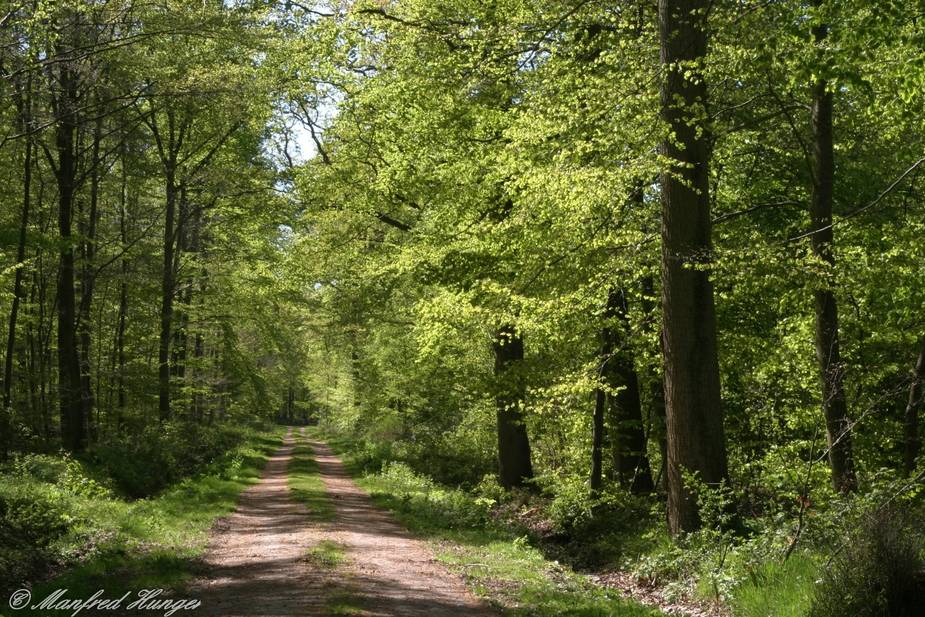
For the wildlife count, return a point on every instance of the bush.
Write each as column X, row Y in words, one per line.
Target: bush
column 879, row 573
column 162, row 454
column 33, row 517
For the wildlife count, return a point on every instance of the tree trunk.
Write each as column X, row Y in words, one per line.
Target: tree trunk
column 73, row 416
column 657, row 421
column 828, row 354
column 617, row 372
column 597, row 431
column 25, row 115
column 696, row 442
column 167, row 293
column 514, row 466
column 628, row 443
column 87, row 279
column 911, row 438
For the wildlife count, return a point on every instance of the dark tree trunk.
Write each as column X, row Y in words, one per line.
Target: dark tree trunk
column 597, row 434
column 25, row 116
column 514, row 466
column 912, row 441
column 696, row 442
column 627, row 437
column 123, row 302
column 628, row 443
column 73, row 416
column 87, row 279
column 657, row 421
column 828, row 354
column 167, row 292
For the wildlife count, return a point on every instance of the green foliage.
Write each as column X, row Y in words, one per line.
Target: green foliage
column 776, row 589
column 56, row 513
column 143, row 464
column 879, row 570
column 33, row 517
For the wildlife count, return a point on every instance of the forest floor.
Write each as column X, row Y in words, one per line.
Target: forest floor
column 284, row 551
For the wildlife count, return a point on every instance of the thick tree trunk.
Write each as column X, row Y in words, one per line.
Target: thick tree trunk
column 73, row 416
column 828, row 354
column 912, row 441
column 696, row 442
column 514, row 466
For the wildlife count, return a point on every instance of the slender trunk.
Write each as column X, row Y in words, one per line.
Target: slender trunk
column 87, row 282
column 167, row 293
column 627, row 437
column 657, row 422
column 696, row 443
column 597, row 433
column 25, row 115
column 911, row 438
column 514, row 466
column 828, row 354
column 628, row 442
column 123, row 303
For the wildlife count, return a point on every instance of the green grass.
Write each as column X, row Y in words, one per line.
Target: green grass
column 306, row 484
column 778, row 589
column 496, row 563
column 327, row 554
column 124, row 546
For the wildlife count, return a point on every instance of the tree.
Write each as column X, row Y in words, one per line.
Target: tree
column 828, row 347
column 696, row 441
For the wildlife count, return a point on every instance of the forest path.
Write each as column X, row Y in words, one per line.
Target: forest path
column 257, row 561
column 389, row 573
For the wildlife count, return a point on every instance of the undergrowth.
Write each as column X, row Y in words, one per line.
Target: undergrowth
column 63, row 524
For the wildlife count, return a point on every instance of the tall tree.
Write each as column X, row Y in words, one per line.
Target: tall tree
column 828, row 352
column 66, row 104
column 696, row 441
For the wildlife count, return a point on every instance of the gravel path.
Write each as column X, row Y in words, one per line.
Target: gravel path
column 256, row 562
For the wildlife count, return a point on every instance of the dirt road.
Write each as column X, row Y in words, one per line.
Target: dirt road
column 256, row 562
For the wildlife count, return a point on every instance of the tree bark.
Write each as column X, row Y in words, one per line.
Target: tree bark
column 912, row 441
column 828, row 354
column 73, row 416
column 696, row 442
column 514, row 466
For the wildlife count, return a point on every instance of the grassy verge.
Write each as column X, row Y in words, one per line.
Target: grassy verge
column 496, row 563
column 306, row 484
column 119, row 545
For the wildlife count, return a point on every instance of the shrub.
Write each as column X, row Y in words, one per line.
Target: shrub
column 161, row 454
column 878, row 573
column 32, row 517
